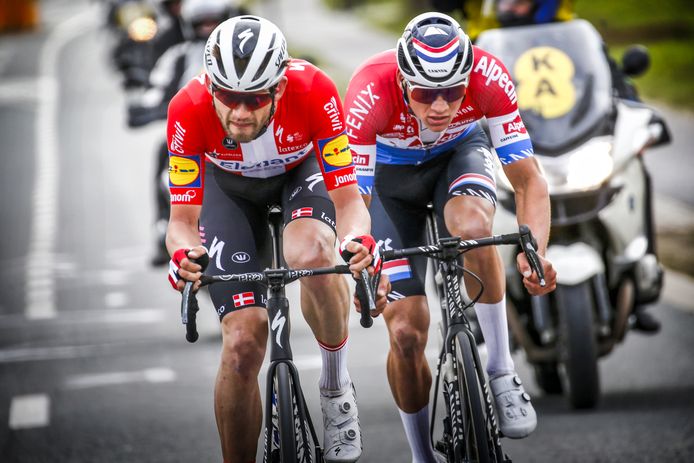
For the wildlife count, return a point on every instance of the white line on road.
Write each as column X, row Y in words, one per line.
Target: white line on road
column 150, row 375
column 40, row 286
column 116, row 299
column 29, row 411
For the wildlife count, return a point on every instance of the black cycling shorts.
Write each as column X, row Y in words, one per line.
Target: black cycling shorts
column 234, row 226
column 401, row 194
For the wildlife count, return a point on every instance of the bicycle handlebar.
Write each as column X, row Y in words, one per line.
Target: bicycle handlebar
column 524, row 238
column 365, row 294
column 189, row 309
column 189, row 303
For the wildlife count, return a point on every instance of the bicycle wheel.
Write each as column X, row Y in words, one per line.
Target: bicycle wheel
column 477, row 443
column 294, row 438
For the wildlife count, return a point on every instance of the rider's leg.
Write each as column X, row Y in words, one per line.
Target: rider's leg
column 325, row 305
column 237, row 396
column 324, row 299
column 408, row 371
column 471, row 217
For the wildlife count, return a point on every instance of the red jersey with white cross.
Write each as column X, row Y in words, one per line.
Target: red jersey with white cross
column 308, row 120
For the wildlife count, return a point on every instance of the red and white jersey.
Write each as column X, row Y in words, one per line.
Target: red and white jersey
column 308, row 119
column 383, row 130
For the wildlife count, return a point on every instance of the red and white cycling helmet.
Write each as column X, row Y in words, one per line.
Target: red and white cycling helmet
column 246, row 54
column 435, row 52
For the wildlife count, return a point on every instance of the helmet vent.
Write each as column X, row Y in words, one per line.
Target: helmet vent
column 217, row 55
column 404, row 65
column 266, row 60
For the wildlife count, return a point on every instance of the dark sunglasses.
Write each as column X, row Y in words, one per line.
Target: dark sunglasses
column 426, row 95
column 252, row 101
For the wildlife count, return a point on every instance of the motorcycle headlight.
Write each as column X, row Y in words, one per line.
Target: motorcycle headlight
column 142, row 29
column 582, row 169
column 589, row 166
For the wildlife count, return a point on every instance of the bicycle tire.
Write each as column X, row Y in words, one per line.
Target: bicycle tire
column 478, row 440
column 285, row 414
column 295, row 444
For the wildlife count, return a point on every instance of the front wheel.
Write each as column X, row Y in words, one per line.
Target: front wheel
column 578, row 358
column 294, row 437
column 470, row 433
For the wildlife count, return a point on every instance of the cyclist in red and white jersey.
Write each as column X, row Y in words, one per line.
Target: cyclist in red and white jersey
column 413, row 121
column 257, row 129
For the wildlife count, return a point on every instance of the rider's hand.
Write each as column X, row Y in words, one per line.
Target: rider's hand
column 530, row 279
column 360, row 252
column 182, row 269
column 381, row 296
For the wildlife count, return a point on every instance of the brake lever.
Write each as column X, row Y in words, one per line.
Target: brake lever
column 529, row 246
column 365, row 294
column 189, row 309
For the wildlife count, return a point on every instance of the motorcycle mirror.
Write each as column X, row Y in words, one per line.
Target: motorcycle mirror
column 636, row 60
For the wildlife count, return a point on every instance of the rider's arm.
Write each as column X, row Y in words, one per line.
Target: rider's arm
column 351, row 214
column 533, row 209
column 532, row 198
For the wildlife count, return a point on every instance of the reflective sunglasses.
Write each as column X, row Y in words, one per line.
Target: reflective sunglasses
column 427, row 95
column 252, row 101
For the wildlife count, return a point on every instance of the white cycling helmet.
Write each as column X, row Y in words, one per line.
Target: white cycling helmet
column 194, row 11
column 246, row 54
column 435, row 52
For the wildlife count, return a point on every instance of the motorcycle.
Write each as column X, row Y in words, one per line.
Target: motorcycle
column 133, row 24
column 589, row 142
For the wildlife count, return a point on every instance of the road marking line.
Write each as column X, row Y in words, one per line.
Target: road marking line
column 150, row 375
column 40, row 287
column 29, row 411
column 116, row 299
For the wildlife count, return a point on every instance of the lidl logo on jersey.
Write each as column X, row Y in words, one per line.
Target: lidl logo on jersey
column 184, row 171
column 335, row 153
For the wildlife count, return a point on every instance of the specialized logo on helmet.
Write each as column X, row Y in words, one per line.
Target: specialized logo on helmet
column 244, row 37
column 437, row 50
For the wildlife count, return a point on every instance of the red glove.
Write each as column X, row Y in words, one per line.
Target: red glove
column 368, row 242
column 175, row 265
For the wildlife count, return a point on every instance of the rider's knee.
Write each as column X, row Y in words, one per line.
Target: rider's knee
column 407, row 340
column 315, row 251
column 243, row 346
column 475, row 223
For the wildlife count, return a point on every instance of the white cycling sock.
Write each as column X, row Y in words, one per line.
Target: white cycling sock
column 334, row 376
column 417, row 431
column 492, row 318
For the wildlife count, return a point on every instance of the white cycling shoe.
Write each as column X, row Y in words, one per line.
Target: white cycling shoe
column 516, row 415
column 341, row 432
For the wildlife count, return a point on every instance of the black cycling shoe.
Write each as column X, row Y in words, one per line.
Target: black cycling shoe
column 645, row 322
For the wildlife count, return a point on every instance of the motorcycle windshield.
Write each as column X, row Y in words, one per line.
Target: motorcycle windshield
column 562, row 79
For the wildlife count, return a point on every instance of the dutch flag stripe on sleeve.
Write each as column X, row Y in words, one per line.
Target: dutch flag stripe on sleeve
column 398, row 269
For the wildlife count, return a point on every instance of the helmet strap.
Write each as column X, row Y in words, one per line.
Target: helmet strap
column 272, row 90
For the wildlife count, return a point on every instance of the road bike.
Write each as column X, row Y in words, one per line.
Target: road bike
column 469, row 432
column 290, row 436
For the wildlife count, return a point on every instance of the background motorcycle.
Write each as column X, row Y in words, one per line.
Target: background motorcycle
column 589, row 142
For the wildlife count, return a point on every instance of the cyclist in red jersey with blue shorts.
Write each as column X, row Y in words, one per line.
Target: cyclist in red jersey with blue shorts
column 412, row 118
column 257, row 129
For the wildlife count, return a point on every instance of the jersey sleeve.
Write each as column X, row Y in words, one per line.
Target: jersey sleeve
column 365, row 114
column 331, row 144
column 496, row 96
column 186, row 151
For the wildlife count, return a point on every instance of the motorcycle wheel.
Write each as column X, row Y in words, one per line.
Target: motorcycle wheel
column 578, row 358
